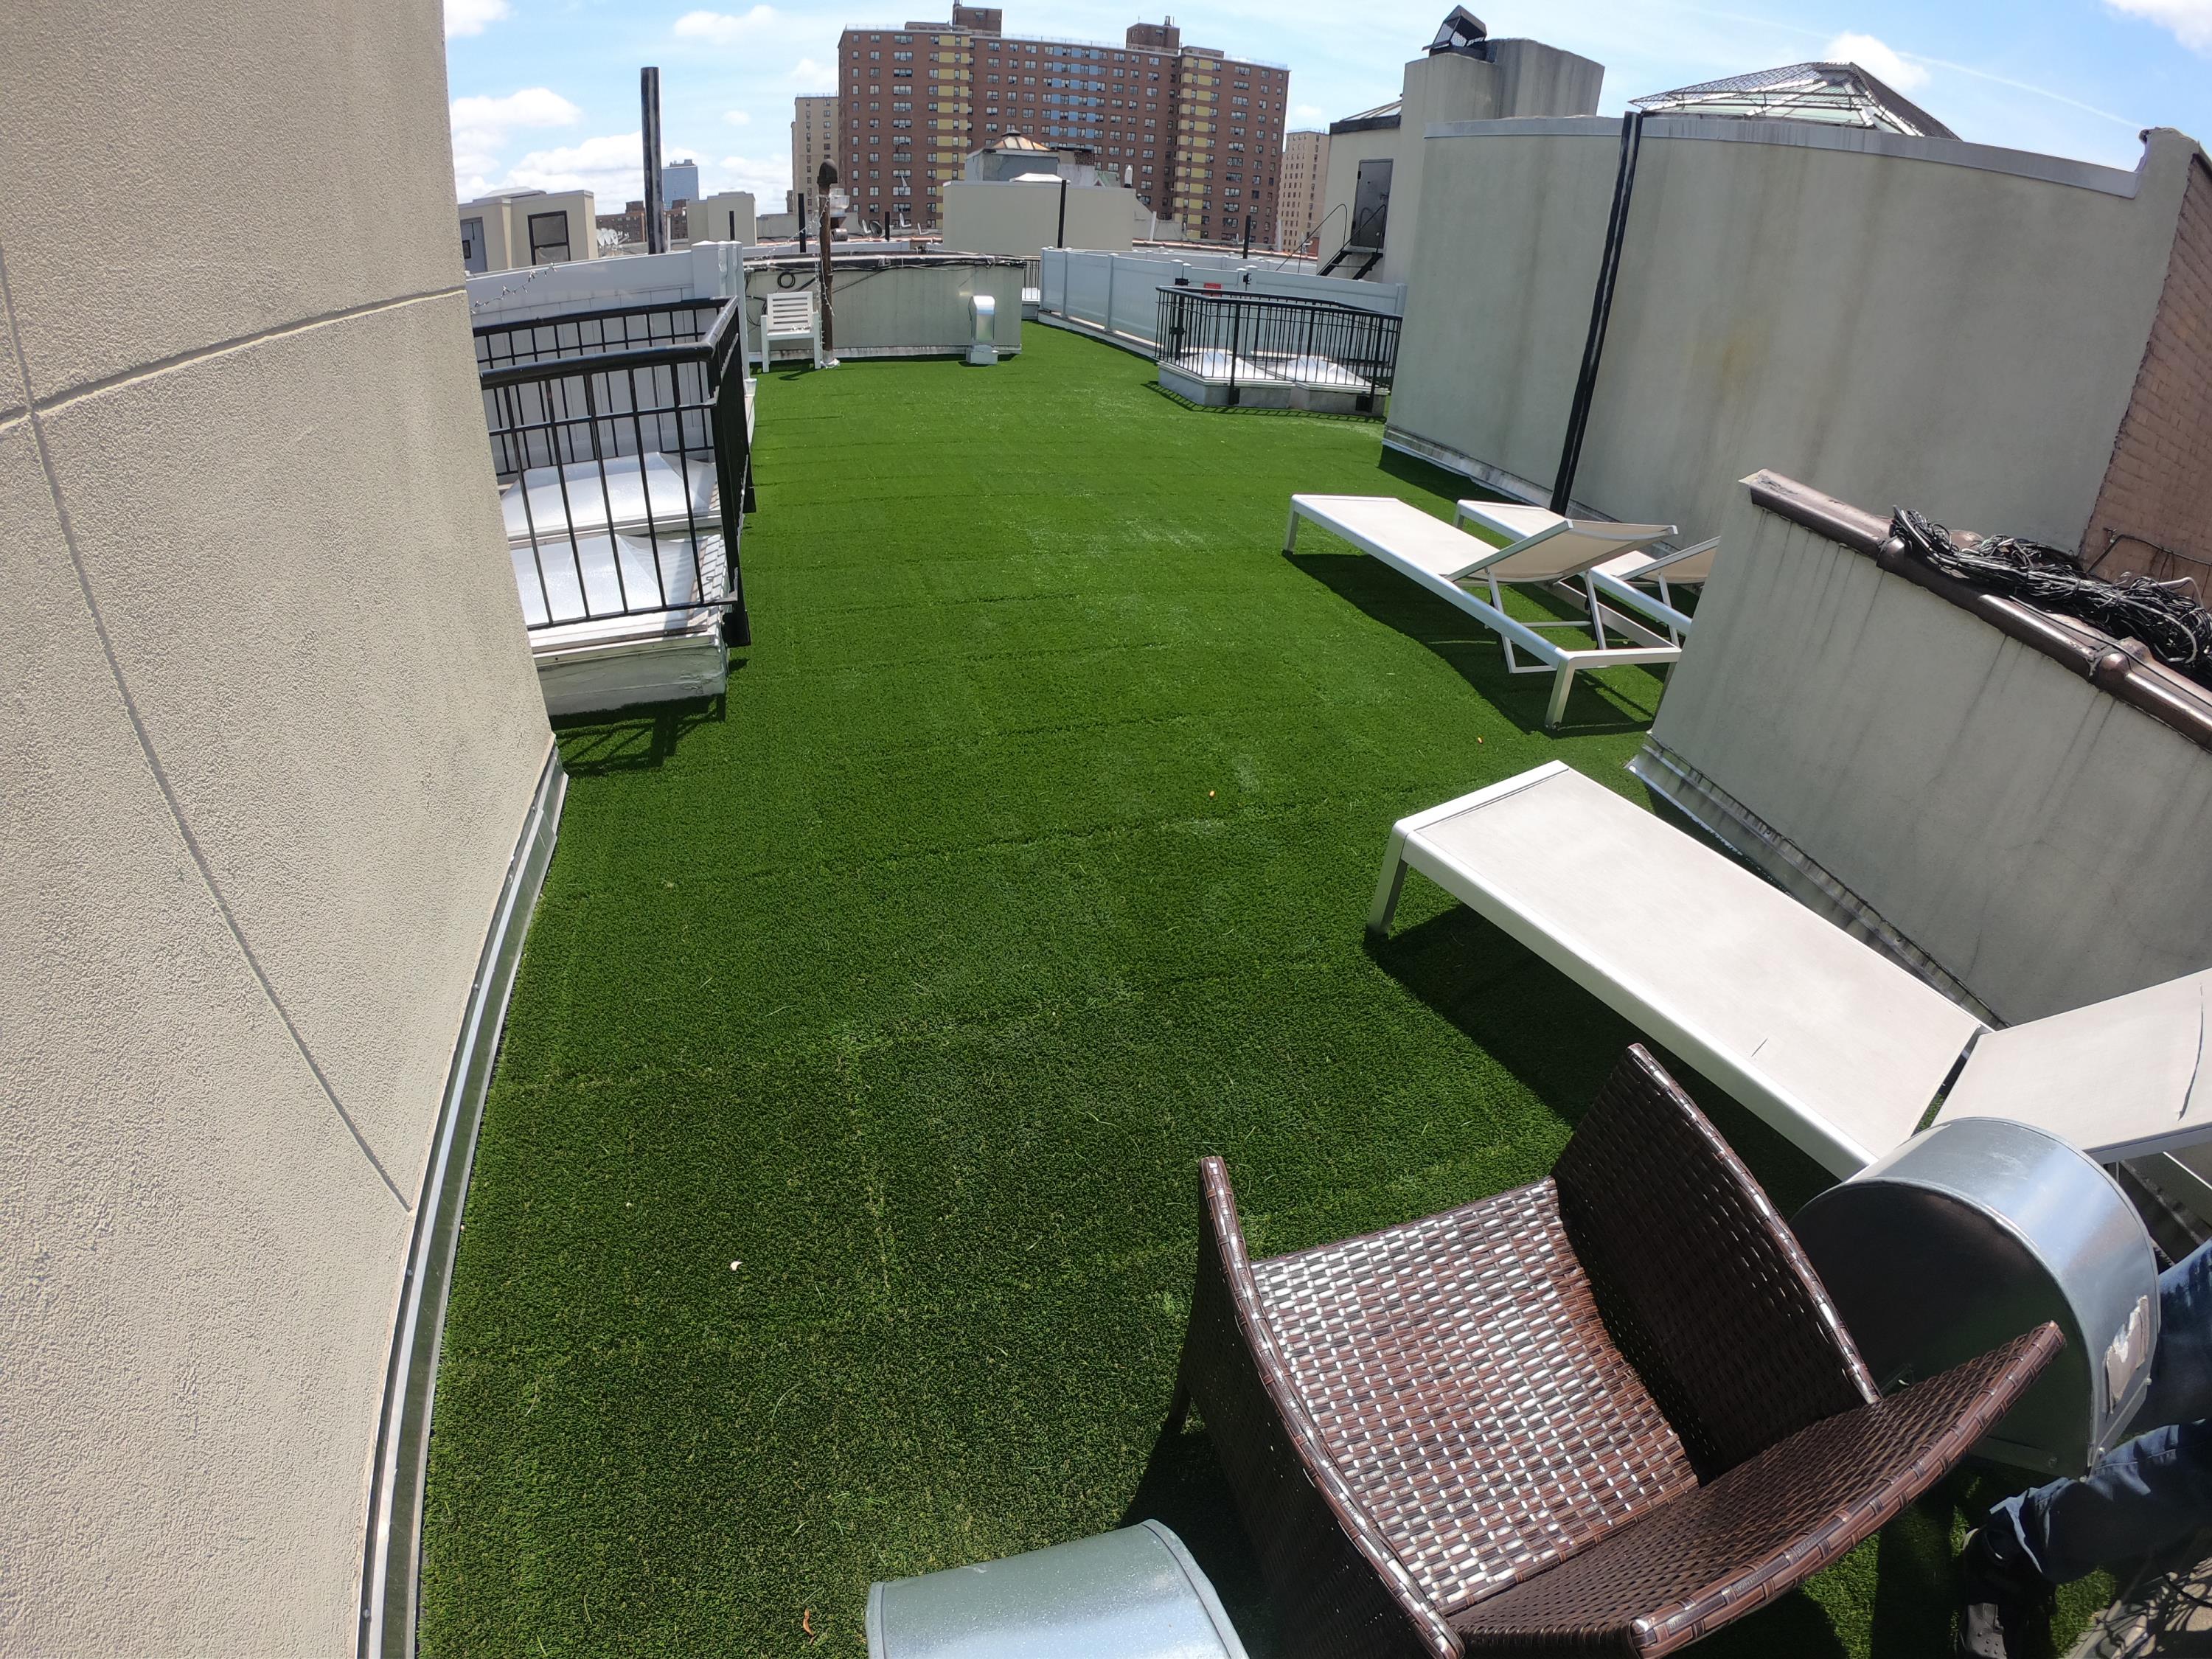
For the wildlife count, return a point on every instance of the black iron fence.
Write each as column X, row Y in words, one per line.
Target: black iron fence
column 620, row 439
column 1241, row 340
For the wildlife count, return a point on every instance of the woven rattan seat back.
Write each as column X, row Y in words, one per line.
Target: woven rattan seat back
column 1469, row 1395
column 1340, row 1588
column 1697, row 1276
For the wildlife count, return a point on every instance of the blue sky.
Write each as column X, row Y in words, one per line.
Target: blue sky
column 545, row 91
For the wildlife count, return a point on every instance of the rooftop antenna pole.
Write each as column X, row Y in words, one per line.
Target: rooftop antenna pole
column 656, row 223
column 826, row 179
column 1059, row 236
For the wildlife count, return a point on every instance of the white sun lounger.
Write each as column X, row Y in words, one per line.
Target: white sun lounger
column 1685, row 567
column 1828, row 1039
column 1445, row 561
column 1620, row 580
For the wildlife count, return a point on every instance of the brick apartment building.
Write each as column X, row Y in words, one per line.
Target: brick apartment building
column 813, row 141
column 1199, row 133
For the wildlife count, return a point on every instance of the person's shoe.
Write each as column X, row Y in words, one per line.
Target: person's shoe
column 2004, row 1613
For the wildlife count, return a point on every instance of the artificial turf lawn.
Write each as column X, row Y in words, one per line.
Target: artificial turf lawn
column 834, row 1214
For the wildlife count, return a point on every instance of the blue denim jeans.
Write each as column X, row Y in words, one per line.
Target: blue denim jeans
column 2152, row 1492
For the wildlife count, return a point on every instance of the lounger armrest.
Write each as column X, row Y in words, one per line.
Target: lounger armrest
column 1764, row 1528
column 1339, row 1588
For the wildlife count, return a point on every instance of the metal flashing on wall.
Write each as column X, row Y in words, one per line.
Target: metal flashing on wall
column 1814, row 135
column 2122, row 669
column 391, row 1556
column 1745, row 835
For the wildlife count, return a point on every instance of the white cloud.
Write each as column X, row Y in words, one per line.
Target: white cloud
column 766, row 179
column 611, row 167
column 481, row 126
column 738, row 118
column 1877, row 57
column 721, row 28
column 472, row 16
column 532, row 107
column 1307, row 112
column 810, row 77
column 2189, row 19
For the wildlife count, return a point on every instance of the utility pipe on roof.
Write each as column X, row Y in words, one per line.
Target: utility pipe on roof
column 1616, row 230
column 648, row 97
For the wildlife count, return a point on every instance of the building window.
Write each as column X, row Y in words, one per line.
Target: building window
column 549, row 238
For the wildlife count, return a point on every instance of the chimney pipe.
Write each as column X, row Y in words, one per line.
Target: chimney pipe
column 656, row 220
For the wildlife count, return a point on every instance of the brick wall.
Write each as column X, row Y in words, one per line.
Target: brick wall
column 2154, row 509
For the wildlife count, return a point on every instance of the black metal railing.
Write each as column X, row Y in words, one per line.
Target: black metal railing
column 619, row 436
column 1241, row 340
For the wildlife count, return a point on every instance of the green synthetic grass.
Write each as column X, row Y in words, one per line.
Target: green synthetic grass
column 833, row 1218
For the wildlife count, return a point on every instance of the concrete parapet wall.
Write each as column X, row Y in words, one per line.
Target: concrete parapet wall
column 890, row 308
column 1022, row 220
column 1119, row 293
column 1888, row 320
column 2040, row 841
column 269, row 733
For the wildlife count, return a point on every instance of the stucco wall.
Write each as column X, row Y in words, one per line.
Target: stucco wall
column 902, row 310
column 268, row 731
column 1521, row 78
column 1023, row 220
column 506, row 221
column 1962, row 335
column 709, row 219
column 2041, row 840
column 1347, row 150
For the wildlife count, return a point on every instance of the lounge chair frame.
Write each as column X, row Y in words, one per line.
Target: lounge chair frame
column 1838, row 1047
column 1619, row 583
column 1369, row 522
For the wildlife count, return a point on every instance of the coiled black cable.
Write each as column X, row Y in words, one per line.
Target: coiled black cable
column 2166, row 618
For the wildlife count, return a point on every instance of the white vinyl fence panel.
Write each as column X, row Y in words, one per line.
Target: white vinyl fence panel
column 1118, row 294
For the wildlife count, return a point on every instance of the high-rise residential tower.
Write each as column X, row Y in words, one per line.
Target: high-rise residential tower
column 1198, row 133
column 813, row 141
column 1305, row 186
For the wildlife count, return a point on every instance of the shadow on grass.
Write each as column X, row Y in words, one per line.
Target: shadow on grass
column 1182, row 1487
column 634, row 740
column 1595, row 707
column 1436, row 480
column 1560, row 1041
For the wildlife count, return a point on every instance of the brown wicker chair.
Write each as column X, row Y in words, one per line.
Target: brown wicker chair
column 1606, row 1413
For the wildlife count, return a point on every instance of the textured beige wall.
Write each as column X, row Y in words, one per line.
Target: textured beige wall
column 1520, row 78
column 1023, row 219
column 1959, row 338
column 710, row 218
column 268, row 731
